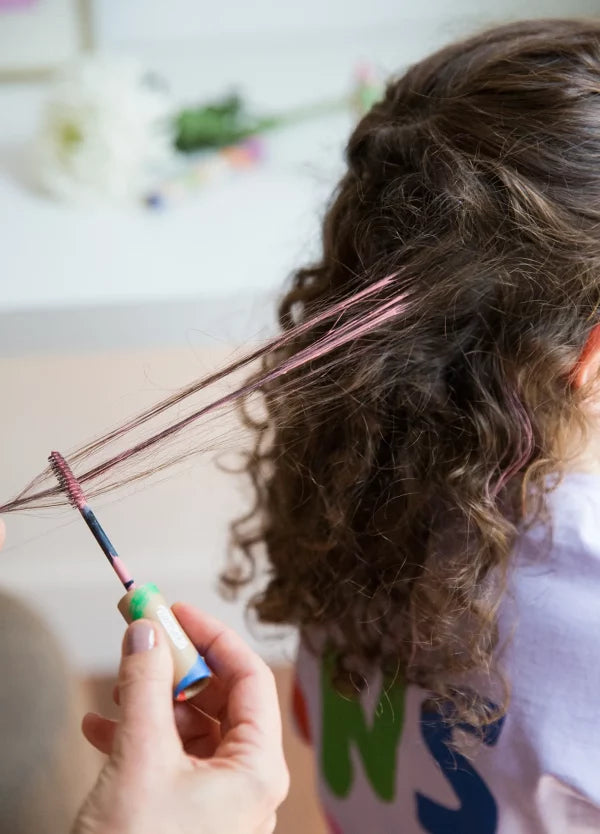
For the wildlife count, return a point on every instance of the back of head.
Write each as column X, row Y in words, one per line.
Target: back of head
column 476, row 180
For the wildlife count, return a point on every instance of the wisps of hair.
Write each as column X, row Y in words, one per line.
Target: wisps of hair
column 101, row 466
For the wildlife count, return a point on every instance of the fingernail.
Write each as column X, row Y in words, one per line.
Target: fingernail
column 140, row 637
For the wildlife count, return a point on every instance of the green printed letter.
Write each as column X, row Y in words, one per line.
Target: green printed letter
column 345, row 725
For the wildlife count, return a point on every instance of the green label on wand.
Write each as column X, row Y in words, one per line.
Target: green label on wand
column 140, row 599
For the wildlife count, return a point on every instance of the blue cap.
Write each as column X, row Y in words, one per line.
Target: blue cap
column 197, row 673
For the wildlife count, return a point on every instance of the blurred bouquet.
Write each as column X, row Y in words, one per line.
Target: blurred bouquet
column 105, row 131
column 110, row 133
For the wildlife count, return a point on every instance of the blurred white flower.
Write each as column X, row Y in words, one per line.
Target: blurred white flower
column 104, row 131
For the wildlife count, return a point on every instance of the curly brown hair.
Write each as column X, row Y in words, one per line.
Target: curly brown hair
column 388, row 483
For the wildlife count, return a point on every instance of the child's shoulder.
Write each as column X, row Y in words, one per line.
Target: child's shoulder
column 554, row 586
column 568, row 535
column 576, row 490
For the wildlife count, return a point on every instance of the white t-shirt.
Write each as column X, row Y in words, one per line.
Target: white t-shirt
column 383, row 763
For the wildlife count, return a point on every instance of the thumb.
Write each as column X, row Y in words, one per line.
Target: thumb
column 147, row 728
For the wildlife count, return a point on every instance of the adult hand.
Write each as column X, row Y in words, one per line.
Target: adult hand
column 212, row 765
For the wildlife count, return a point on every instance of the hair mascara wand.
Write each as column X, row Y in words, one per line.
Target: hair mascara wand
column 72, row 487
column 191, row 674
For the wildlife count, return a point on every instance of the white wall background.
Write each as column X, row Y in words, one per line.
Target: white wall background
column 138, row 22
column 102, row 312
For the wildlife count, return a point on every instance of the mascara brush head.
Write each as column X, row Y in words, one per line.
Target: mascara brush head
column 68, row 482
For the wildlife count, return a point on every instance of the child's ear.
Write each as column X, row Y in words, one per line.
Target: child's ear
column 588, row 364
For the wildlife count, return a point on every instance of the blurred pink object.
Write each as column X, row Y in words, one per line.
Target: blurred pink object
column 16, row 4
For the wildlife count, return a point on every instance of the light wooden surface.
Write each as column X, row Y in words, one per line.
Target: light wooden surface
column 172, row 529
column 300, row 813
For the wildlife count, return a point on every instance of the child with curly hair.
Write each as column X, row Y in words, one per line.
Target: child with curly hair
column 430, row 501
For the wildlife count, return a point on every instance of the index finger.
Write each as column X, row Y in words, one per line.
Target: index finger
column 252, row 701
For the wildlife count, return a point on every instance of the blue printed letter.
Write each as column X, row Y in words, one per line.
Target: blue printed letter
column 478, row 813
